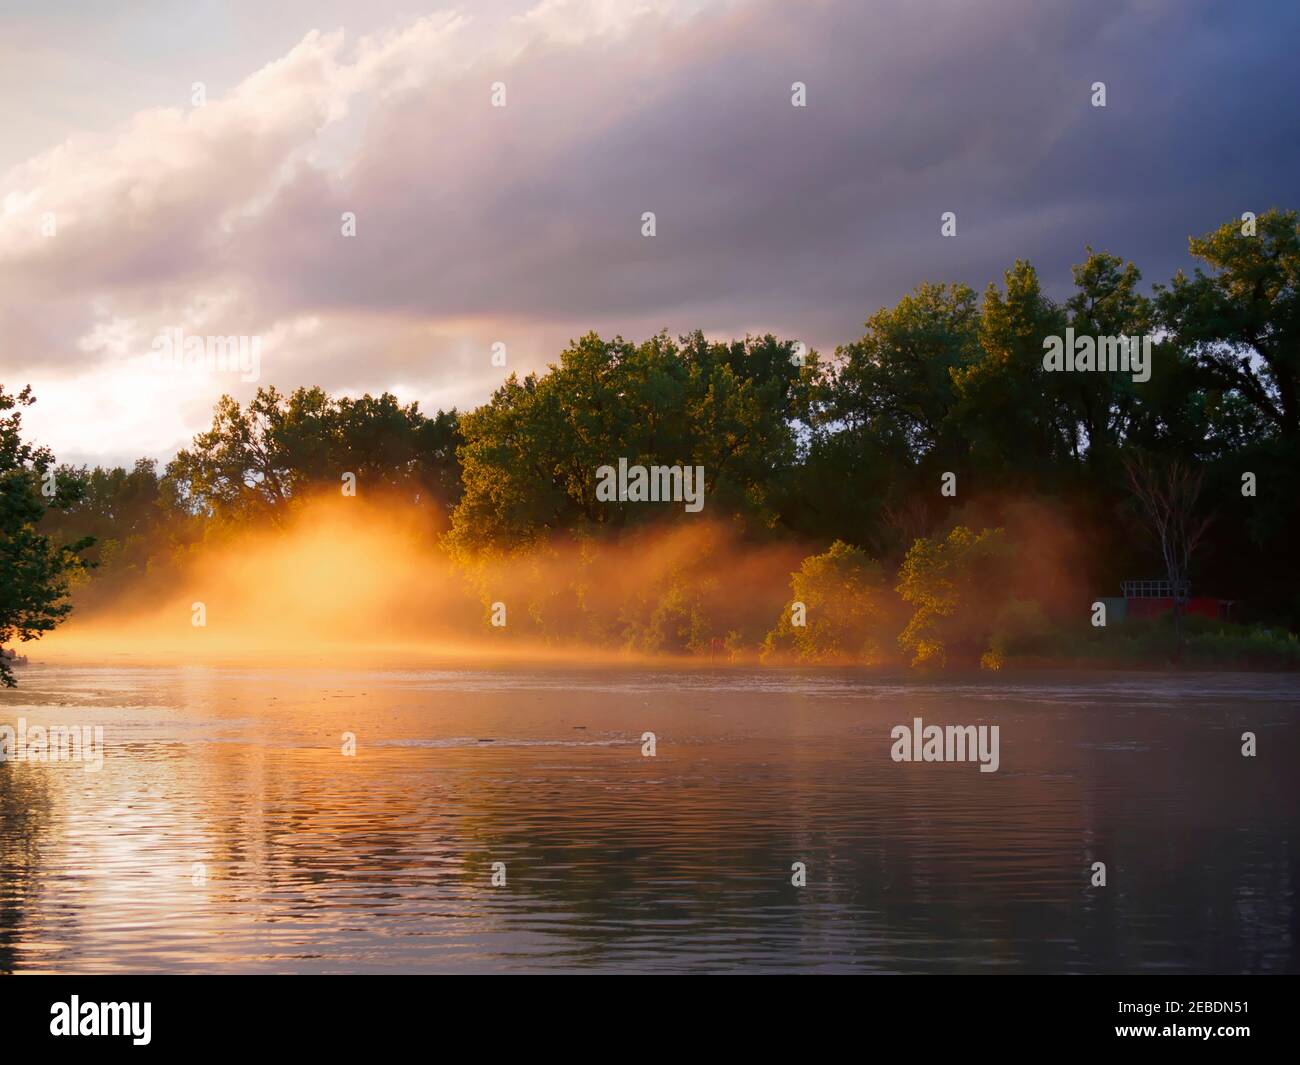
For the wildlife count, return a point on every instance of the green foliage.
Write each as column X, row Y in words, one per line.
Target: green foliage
column 1209, row 644
column 117, row 507
column 956, row 588
column 256, row 460
column 35, row 569
column 531, row 453
column 848, row 451
column 1005, row 411
column 661, row 594
column 843, row 597
column 679, row 620
column 899, row 376
column 1020, row 628
column 1248, row 305
column 1243, row 647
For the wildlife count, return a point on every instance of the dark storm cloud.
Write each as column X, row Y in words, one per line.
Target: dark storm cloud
column 808, row 218
column 522, row 223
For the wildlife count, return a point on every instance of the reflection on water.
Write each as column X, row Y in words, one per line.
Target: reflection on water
column 319, row 862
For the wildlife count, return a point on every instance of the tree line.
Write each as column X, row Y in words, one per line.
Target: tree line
column 940, row 417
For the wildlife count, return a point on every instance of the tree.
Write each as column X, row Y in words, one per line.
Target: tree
column 34, row 570
column 882, row 425
column 957, row 587
column 251, row 461
column 1167, row 494
column 112, row 505
column 1242, row 322
column 1100, row 406
column 843, row 608
column 899, row 376
column 531, row 452
column 255, row 460
column 1006, row 413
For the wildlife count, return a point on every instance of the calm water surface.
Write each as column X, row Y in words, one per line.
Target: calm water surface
column 317, row 862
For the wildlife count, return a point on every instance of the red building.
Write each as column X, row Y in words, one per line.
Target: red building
column 1155, row 598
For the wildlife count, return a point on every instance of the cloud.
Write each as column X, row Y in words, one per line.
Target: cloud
column 523, row 223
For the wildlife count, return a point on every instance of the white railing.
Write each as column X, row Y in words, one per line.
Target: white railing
column 1156, row 589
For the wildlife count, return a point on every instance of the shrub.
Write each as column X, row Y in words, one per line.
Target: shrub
column 956, row 587
column 843, row 596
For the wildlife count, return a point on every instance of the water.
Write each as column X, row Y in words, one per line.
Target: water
column 317, row 862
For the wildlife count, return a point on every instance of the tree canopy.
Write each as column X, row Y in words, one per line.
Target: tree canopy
column 844, row 455
column 35, row 568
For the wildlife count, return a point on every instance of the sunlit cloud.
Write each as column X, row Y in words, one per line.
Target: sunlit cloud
column 520, row 224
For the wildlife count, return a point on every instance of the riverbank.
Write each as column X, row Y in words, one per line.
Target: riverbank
column 1136, row 646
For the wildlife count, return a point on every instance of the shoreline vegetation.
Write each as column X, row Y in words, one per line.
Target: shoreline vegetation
column 1209, row 648
column 930, row 497
column 1220, row 652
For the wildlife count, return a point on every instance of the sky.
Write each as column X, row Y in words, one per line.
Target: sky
column 129, row 210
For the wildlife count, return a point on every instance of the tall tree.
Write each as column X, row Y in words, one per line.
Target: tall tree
column 1167, row 495
column 531, row 453
column 257, row 459
column 1242, row 320
column 34, row 569
column 1100, row 406
column 1006, row 412
column 883, row 421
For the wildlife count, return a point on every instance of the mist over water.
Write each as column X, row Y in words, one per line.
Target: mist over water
column 368, row 581
column 228, row 831
column 318, row 862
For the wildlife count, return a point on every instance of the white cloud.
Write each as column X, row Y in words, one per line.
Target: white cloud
column 522, row 223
